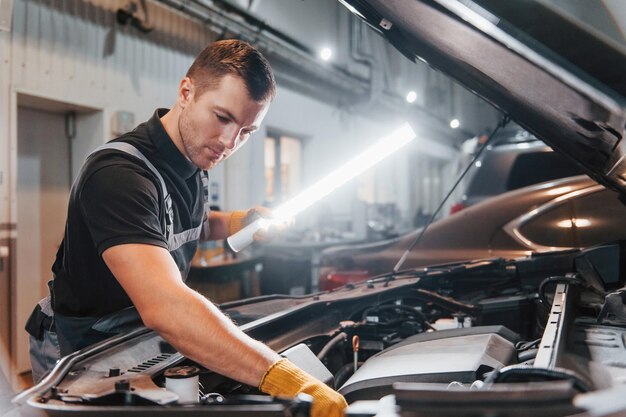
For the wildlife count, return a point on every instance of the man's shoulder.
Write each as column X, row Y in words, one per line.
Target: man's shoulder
column 139, row 138
column 111, row 158
column 115, row 172
column 118, row 177
column 111, row 167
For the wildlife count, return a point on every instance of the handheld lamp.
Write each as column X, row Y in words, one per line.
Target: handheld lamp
column 368, row 158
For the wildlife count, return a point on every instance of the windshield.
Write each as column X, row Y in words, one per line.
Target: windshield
column 503, row 170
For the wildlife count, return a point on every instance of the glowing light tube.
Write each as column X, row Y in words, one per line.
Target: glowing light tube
column 357, row 165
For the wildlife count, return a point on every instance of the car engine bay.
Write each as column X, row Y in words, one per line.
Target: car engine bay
column 492, row 337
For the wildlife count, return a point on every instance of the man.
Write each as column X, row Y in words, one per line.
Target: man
column 118, row 251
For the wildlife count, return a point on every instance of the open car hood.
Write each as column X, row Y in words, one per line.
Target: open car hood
column 556, row 78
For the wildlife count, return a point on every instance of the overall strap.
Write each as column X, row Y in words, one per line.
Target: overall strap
column 207, row 203
column 169, row 218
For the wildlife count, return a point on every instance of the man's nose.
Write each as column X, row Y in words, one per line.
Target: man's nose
column 229, row 137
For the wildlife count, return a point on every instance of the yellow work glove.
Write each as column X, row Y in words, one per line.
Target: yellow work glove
column 286, row 379
column 237, row 222
column 240, row 219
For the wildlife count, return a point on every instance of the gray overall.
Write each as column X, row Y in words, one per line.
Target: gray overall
column 51, row 334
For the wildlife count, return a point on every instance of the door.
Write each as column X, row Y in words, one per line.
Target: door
column 52, row 139
column 43, row 183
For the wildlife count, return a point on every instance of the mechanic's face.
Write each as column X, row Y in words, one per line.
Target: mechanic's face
column 215, row 124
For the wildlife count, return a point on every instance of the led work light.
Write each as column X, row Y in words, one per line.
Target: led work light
column 368, row 158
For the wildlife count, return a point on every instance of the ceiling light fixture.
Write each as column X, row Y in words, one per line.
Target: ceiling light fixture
column 366, row 159
column 454, row 123
column 411, row 96
column 326, row 54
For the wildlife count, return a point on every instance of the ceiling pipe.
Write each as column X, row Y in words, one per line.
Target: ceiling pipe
column 261, row 25
column 375, row 70
column 286, row 54
column 379, row 97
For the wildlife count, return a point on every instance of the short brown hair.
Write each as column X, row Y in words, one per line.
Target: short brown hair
column 237, row 58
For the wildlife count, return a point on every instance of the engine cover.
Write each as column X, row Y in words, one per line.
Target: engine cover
column 462, row 355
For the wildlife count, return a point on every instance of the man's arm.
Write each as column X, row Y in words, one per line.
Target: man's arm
column 226, row 223
column 192, row 324
column 199, row 331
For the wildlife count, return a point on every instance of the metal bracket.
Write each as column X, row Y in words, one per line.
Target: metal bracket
column 385, row 24
column 553, row 339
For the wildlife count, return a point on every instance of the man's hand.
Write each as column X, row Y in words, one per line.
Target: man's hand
column 285, row 379
column 273, row 228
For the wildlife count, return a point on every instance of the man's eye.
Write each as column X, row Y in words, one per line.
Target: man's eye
column 222, row 119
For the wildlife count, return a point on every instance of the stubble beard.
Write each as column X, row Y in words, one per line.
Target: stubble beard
column 191, row 152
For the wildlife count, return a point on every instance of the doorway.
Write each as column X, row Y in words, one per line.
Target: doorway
column 43, row 183
column 53, row 139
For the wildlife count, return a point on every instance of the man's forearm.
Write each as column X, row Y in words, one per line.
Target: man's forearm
column 201, row 332
column 191, row 323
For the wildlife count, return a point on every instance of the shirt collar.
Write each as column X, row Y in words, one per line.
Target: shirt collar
column 164, row 144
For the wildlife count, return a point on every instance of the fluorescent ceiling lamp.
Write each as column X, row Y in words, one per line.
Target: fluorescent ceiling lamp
column 411, row 97
column 454, row 123
column 326, row 54
column 357, row 165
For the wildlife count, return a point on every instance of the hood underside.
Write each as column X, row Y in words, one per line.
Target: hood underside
column 530, row 61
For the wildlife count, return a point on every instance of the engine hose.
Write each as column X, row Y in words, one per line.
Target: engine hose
column 331, row 343
column 448, row 303
column 558, row 280
column 527, row 374
column 344, row 373
column 527, row 355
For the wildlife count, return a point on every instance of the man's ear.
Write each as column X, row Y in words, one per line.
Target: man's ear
column 185, row 92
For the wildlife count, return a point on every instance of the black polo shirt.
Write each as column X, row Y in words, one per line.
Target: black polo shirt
column 116, row 200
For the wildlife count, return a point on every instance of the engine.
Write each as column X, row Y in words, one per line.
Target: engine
column 462, row 355
column 483, row 338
